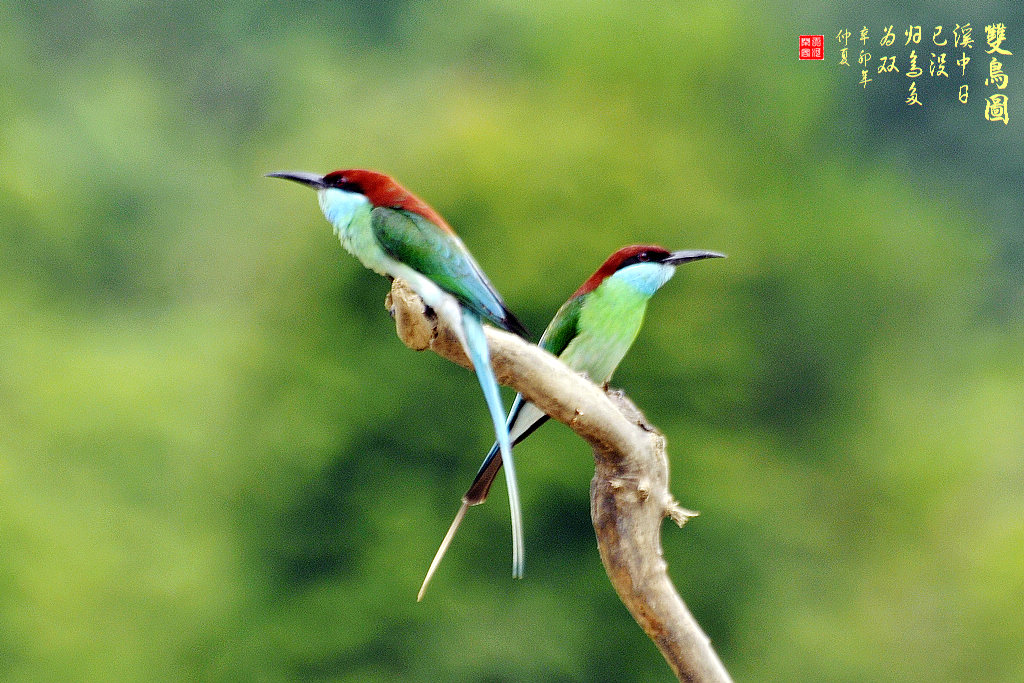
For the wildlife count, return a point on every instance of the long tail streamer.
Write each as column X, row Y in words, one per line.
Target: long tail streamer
column 481, row 357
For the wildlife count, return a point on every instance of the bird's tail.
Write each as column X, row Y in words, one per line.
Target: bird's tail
column 476, row 494
column 476, row 347
column 439, row 555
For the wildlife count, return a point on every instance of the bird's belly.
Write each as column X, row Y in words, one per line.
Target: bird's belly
column 364, row 246
column 608, row 333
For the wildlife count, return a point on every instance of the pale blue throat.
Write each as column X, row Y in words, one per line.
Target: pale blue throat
column 646, row 278
column 340, row 206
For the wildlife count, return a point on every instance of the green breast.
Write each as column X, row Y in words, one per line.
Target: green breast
column 609, row 321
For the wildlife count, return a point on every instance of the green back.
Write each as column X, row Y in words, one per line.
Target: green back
column 441, row 256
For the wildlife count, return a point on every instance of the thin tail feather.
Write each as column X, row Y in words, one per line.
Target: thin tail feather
column 439, row 555
column 476, row 348
column 476, row 494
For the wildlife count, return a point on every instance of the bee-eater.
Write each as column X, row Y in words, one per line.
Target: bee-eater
column 395, row 233
column 590, row 333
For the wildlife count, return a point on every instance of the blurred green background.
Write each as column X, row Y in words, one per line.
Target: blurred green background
column 218, row 462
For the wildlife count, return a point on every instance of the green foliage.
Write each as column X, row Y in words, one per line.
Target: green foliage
column 218, row 462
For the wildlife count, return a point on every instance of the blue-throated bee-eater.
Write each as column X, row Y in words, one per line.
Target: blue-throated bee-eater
column 395, row 233
column 590, row 333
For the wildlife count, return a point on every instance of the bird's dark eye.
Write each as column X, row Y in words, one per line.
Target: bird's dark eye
column 342, row 183
column 643, row 256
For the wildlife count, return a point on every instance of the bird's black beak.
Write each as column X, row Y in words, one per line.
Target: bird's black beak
column 677, row 257
column 310, row 179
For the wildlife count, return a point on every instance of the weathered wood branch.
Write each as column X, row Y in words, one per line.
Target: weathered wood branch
column 629, row 496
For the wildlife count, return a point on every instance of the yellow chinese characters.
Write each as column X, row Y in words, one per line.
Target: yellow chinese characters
column 962, row 36
column 913, row 95
column 997, row 106
column 844, row 39
column 996, row 76
column 953, row 42
column 995, row 109
column 962, row 63
column 914, row 71
column 888, row 65
column 995, row 36
column 888, row 38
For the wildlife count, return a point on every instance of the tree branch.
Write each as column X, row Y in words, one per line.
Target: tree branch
column 629, row 494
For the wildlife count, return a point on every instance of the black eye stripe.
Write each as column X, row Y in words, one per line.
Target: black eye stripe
column 643, row 257
column 342, row 183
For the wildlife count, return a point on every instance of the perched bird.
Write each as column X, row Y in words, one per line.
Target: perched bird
column 590, row 333
column 395, row 233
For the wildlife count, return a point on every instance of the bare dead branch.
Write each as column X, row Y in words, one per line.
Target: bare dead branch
column 629, row 496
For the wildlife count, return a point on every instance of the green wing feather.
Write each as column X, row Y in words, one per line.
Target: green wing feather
column 563, row 326
column 440, row 255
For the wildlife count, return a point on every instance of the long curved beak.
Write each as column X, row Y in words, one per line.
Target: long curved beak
column 677, row 257
column 311, row 179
